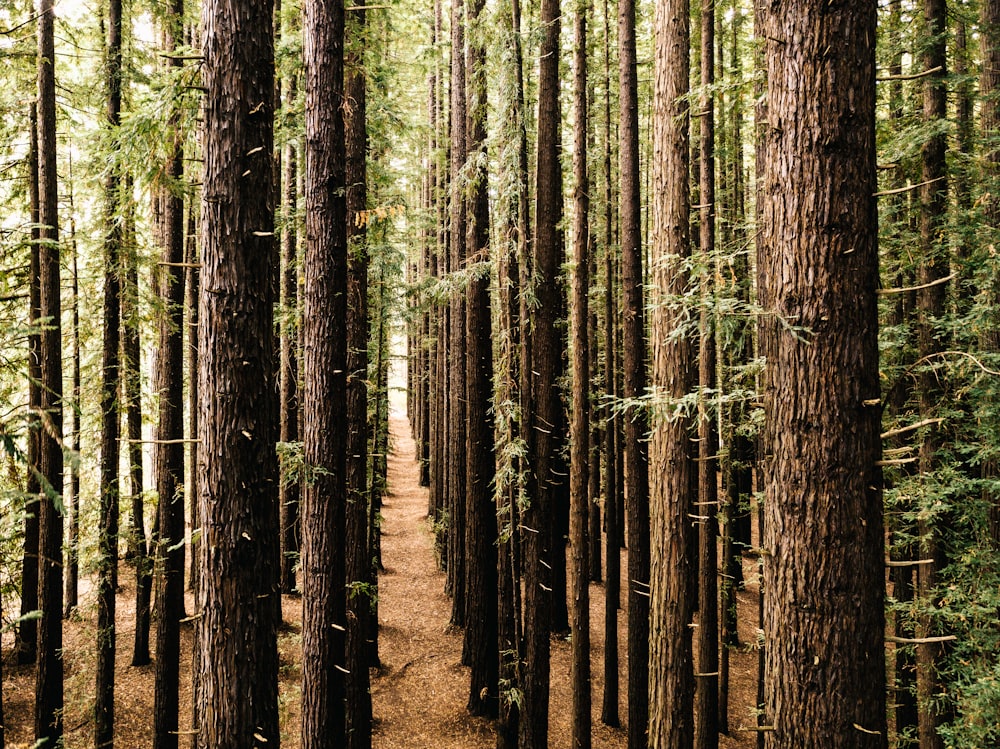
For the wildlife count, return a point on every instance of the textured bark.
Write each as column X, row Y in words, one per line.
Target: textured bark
column 49, row 676
column 70, row 599
column 635, row 478
column 237, row 698
column 358, row 559
column 27, row 631
column 290, row 491
column 671, row 680
column 706, row 729
column 456, row 394
column 132, row 394
column 169, row 452
column 818, row 268
column 325, row 397
column 480, row 521
column 580, row 733
column 933, row 267
column 107, row 585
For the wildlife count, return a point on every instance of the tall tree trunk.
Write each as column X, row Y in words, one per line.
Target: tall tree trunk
column 237, row 700
column 73, row 498
column 27, row 631
column 671, row 679
column 480, row 469
column 132, row 393
column 358, row 559
column 456, row 344
column 818, row 269
column 169, row 448
column 289, row 493
column 706, row 729
column 325, row 399
column 580, row 736
column 544, row 413
column 192, row 291
column 636, row 476
column 932, row 270
column 49, row 677
column 107, row 585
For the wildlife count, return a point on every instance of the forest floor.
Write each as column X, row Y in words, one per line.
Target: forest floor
column 418, row 695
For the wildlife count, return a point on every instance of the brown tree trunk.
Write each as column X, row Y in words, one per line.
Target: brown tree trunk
column 818, row 270
column 480, row 469
column 325, row 398
column 706, row 729
column 542, row 368
column 27, row 631
column 636, row 473
column 358, row 559
column 73, row 495
column 671, row 679
column 237, row 700
column 456, row 343
column 580, row 736
column 49, row 677
column 169, row 448
column 107, row 585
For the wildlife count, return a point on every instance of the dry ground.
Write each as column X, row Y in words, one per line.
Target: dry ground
column 420, row 693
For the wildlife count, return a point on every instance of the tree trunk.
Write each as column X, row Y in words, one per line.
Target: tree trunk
column 580, row 736
column 480, row 468
column 818, row 270
column 73, row 498
column 49, row 677
column 325, row 364
column 237, row 700
column 107, row 585
column 544, row 414
column 169, row 448
column 358, row 559
column 671, row 679
column 456, row 344
column 635, row 478
column 27, row 631
column 706, row 729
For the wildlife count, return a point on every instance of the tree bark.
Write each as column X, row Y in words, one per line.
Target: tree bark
column 49, row 677
column 107, row 585
column 325, row 364
column 237, row 700
column 671, row 679
column 824, row 622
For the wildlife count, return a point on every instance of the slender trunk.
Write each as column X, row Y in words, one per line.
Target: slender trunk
column 580, row 736
column 707, row 685
column 73, row 498
column 27, row 631
column 169, row 450
column 358, row 559
column 671, row 679
column 49, row 677
column 635, row 479
column 104, row 708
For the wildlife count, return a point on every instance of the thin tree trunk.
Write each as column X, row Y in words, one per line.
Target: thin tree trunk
column 169, row 450
column 358, row 558
column 325, row 397
column 706, row 729
column 27, row 631
column 73, row 499
column 480, row 468
column 671, row 679
column 49, row 677
column 104, row 708
column 580, row 736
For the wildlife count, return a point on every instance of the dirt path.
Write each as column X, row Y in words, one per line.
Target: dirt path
column 419, row 697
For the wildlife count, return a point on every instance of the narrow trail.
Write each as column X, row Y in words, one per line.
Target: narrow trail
column 419, row 696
